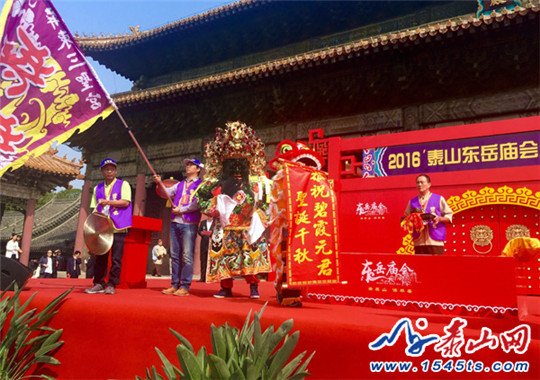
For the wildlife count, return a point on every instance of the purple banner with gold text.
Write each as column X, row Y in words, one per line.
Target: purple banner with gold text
column 499, row 151
column 47, row 90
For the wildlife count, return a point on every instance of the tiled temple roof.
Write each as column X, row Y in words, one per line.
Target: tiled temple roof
column 111, row 42
column 248, row 33
column 329, row 55
column 49, row 162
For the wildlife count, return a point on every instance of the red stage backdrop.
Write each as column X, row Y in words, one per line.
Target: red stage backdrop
column 488, row 173
column 475, row 167
column 469, row 285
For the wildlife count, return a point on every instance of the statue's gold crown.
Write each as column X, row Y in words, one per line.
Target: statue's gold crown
column 236, row 140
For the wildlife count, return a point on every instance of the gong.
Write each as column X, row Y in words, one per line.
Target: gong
column 98, row 233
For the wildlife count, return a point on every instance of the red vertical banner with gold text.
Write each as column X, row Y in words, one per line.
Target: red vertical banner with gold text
column 313, row 251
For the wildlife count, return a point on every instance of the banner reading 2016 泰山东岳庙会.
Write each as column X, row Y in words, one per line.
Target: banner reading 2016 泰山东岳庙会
column 488, row 152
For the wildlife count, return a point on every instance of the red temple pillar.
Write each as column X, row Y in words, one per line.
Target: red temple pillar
column 140, row 196
column 83, row 214
column 27, row 231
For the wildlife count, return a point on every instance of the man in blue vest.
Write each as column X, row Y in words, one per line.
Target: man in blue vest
column 112, row 198
column 430, row 240
column 185, row 219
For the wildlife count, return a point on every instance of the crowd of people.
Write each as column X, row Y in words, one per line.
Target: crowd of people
column 234, row 203
column 197, row 215
column 53, row 262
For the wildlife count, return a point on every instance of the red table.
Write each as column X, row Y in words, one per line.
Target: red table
column 136, row 252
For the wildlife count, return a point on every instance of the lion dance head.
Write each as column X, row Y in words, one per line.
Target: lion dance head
column 298, row 152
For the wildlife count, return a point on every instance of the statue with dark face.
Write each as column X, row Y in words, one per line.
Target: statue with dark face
column 235, row 176
column 235, row 196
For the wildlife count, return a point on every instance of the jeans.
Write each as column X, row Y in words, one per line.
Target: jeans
column 182, row 245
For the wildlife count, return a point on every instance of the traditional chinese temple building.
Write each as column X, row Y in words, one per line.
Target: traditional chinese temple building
column 350, row 69
column 384, row 90
column 23, row 187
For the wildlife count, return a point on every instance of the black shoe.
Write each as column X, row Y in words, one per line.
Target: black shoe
column 254, row 291
column 224, row 293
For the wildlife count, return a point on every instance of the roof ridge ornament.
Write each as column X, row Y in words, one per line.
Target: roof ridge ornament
column 135, row 30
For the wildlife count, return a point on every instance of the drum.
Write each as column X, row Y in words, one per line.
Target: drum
column 167, row 183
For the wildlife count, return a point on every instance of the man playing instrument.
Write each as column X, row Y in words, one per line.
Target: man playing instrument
column 433, row 209
column 112, row 198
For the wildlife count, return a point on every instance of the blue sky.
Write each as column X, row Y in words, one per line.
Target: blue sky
column 116, row 16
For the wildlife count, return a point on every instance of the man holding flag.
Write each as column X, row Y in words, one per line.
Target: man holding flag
column 48, row 90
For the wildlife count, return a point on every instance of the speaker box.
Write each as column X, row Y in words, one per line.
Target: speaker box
column 12, row 270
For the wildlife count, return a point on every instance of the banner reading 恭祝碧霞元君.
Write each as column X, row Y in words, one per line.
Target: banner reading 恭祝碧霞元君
column 313, row 251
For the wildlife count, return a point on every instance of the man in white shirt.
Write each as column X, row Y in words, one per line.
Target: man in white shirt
column 12, row 248
column 158, row 253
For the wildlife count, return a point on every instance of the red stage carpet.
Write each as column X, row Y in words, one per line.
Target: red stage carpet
column 113, row 337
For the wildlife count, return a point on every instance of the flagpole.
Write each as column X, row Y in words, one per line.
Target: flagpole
column 160, row 183
column 111, row 101
column 113, row 104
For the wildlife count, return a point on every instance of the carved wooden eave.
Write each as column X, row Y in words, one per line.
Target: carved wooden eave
column 451, row 59
column 51, row 163
column 400, row 39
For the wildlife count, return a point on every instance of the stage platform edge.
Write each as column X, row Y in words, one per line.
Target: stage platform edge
column 114, row 337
